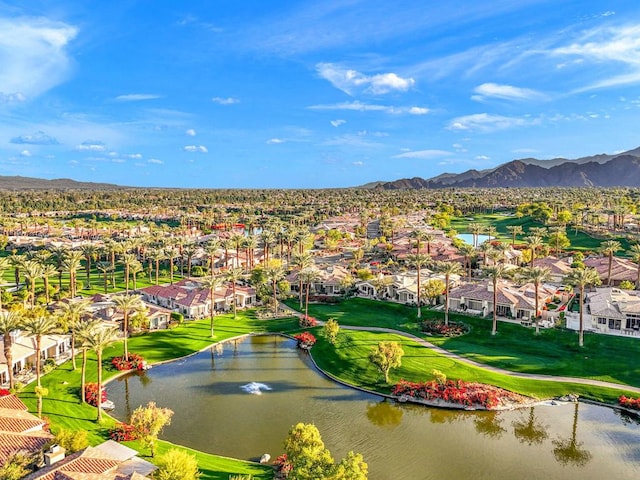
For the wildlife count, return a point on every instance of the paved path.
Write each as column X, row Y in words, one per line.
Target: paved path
column 448, row 354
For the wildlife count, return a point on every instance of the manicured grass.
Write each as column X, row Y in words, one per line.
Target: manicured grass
column 63, row 408
column 515, row 348
column 348, row 360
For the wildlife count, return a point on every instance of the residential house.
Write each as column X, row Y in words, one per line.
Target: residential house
column 609, row 310
column 621, row 269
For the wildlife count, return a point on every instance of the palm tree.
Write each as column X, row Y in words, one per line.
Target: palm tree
column 127, row 304
column 302, row 261
column 494, row 272
column 97, row 339
column 39, row 326
column 189, row 251
column 105, row 268
column 268, row 238
column 9, row 323
column 634, row 252
column 475, row 229
column 4, row 266
column 90, row 252
column 48, row 271
column 468, row 252
column 211, row 249
column 448, row 269
column 171, row 252
column 57, row 258
column 308, row 276
column 418, row 260
column 128, row 259
column 534, row 242
column 581, row 278
column 84, row 330
column 32, row 271
column 514, row 230
column 274, row 273
column 16, row 262
column 212, row 283
column 537, row 276
column 233, row 275
column 71, row 316
column 609, row 248
column 135, row 269
column 72, row 262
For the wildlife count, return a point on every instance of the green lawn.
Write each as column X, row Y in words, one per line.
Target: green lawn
column 516, row 348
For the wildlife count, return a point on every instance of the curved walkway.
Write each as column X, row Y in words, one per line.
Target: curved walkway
column 446, row 353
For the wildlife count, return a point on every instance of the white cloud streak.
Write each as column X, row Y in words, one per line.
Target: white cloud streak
column 352, row 81
column 483, row 122
column 367, row 107
column 225, row 101
column 505, row 92
column 195, row 149
column 423, row 154
column 137, row 97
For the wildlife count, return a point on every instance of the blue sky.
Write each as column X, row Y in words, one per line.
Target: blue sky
column 310, row 94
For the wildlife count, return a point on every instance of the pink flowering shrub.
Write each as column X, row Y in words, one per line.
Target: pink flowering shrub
column 136, row 362
column 308, row 322
column 91, row 394
column 437, row 327
column 628, row 402
column 454, row 391
column 4, row 392
column 123, row 432
column 305, row 339
column 283, row 466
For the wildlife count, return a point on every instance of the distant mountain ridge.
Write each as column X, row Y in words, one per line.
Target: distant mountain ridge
column 603, row 170
column 30, row 183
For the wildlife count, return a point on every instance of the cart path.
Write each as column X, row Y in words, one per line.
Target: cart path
column 454, row 356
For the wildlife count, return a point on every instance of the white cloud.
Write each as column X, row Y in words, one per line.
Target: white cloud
column 484, row 122
column 337, row 123
column 275, row 141
column 191, row 132
column 155, row 161
column 358, row 163
column 137, row 97
column 134, row 156
column 25, row 153
column 91, row 146
column 423, row 154
column 505, row 92
column 482, row 157
column 38, row 138
column 195, row 148
column 367, row 107
column 34, row 56
column 225, row 101
column 352, row 81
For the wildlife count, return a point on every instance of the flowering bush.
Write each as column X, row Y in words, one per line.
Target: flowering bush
column 283, row 466
column 123, row 432
column 4, row 392
column 454, row 391
column 437, row 327
column 305, row 339
column 136, row 362
column 628, row 402
column 307, row 322
column 91, row 394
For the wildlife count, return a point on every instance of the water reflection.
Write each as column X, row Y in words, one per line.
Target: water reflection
column 384, row 414
column 569, row 450
column 489, row 424
column 530, row 431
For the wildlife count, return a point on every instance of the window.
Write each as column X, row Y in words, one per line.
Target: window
column 602, row 321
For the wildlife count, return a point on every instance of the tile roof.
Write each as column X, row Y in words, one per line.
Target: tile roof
column 14, row 442
column 18, row 421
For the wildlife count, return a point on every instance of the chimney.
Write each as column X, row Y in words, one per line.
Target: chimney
column 53, row 455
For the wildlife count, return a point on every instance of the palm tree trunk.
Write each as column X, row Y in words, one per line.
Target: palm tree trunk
column 494, row 327
column 581, row 330
column 99, row 401
column 125, row 326
column 73, row 349
column 83, row 375
column 9, row 357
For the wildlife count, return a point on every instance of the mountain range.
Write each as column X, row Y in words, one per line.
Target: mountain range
column 30, row 183
column 619, row 170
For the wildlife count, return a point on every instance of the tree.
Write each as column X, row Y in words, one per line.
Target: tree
column 352, row 467
column 127, row 260
column 39, row 326
column 127, row 304
column 494, row 272
column 302, row 261
column 432, row 289
column 386, row 355
column 581, row 278
column 72, row 262
column 47, row 272
column 90, row 252
column 83, row 332
column 177, row 464
column 70, row 316
column 9, row 323
column 18, row 465
column 32, row 271
column 148, row 422
column 4, row 266
column 514, row 230
column 448, row 269
column 609, row 248
column 537, row 276
column 306, row 453
column 274, row 273
column 97, row 339
column 331, row 330
column 634, row 253
column 418, row 260
column 232, row 276
column 212, row 283
column 307, row 276
column 534, row 242
column 105, row 268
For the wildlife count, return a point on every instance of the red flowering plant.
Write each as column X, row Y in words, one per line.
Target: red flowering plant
column 628, row 402
column 308, row 322
column 135, row 362
column 437, row 327
column 453, row 391
column 283, row 466
column 123, row 432
column 305, row 340
column 91, row 394
column 4, row 392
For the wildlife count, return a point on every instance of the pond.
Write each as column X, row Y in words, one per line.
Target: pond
column 468, row 238
column 214, row 413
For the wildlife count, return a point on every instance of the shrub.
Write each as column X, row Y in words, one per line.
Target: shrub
column 123, row 432
column 91, row 394
column 283, row 465
column 177, row 317
column 308, row 322
column 72, row 441
column 4, row 392
column 177, row 464
column 454, row 391
column 437, row 327
column 305, row 339
column 628, row 402
column 136, row 362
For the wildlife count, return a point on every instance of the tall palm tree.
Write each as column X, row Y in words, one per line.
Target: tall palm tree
column 39, row 326
column 300, row 262
column 72, row 262
column 514, row 230
column 127, row 260
column 32, row 272
column 609, row 248
column 212, row 283
column 90, row 252
column 71, row 316
column 135, row 269
column 274, row 273
column 127, row 304
column 448, row 269
column 634, row 253
column 308, row 276
column 419, row 236
column 16, row 262
column 534, row 242
column 418, row 260
column 268, row 239
column 4, row 266
column 475, row 229
column 171, row 252
column 57, row 258
column 233, row 275
column 494, row 272
column 9, row 323
column 581, row 278
column 211, row 249
column 47, row 272
column 468, row 252
column 97, row 340
column 189, row 251
column 84, row 330
column 104, row 268
column 537, row 276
